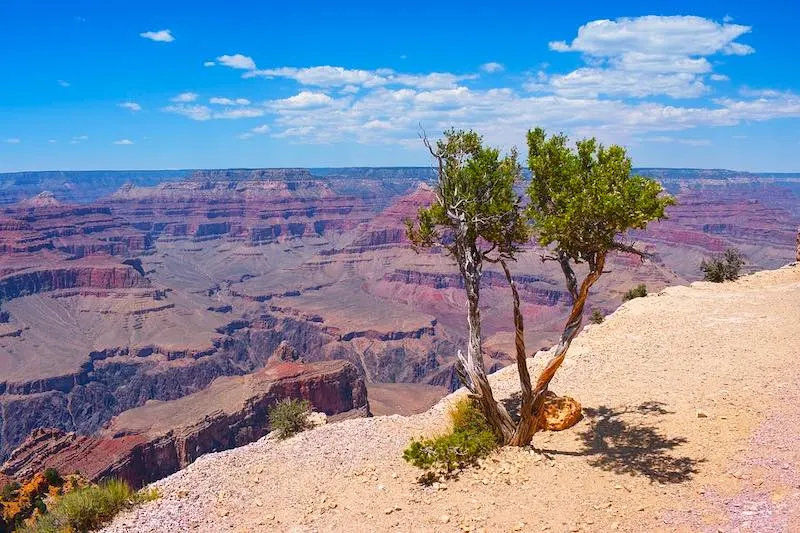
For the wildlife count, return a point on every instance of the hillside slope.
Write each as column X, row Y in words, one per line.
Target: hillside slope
column 692, row 400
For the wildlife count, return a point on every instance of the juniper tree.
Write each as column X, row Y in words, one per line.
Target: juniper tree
column 582, row 202
column 476, row 218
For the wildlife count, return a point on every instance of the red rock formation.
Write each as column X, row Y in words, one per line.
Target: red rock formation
column 153, row 441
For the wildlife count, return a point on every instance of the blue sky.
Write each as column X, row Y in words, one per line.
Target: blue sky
column 113, row 84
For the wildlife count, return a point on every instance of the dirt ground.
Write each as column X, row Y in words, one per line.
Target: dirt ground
column 692, row 423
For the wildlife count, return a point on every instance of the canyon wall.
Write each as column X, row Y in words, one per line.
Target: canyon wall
column 155, row 440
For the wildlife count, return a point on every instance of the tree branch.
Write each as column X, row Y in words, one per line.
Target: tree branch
column 631, row 249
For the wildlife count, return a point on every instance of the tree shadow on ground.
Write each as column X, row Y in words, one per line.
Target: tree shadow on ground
column 621, row 440
column 635, row 447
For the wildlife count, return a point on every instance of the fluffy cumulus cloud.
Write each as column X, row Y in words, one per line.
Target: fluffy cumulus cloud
column 131, row 106
column 237, row 61
column 303, row 100
column 644, row 56
column 161, row 36
column 643, row 80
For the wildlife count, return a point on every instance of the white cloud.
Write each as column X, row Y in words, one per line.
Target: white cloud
column 258, row 130
column 229, row 101
column 124, row 142
column 12, row 140
column 185, row 97
column 79, row 139
column 132, row 106
column 656, row 35
column 194, row 112
column 393, row 116
column 237, row 61
column 629, row 64
column 209, row 63
column 492, row 67
column 162, row 36
column 330, row 76
column 303, row 100
column 202, row 112
column 644, row 56
column 240, row 112
column 593, row 82
column 63, row 83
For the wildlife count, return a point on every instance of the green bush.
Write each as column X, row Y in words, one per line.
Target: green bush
column 9, row 491
column 723, row 267
column 637, row 292
column 596, row 317
column 470, row 439
column 53, row 478
column 289, row 417
column 88, row 508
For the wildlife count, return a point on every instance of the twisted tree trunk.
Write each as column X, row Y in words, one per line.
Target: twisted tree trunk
column 475, row 378
column 571, row 329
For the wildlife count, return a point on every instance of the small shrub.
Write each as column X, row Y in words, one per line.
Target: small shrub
column 88, row 508
column 470, row 439
column 723, row 267
column 53, row 478
column 637, row 292
column 9, row 491
column 597, row 317
column 289, row 417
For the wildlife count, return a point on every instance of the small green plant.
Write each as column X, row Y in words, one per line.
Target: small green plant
column 88, row 508
column 53, row 478
column 470, row 439
column 9, row 491
column 723, row 267
column 289, row 417
column 639, row 291
column 597, row 317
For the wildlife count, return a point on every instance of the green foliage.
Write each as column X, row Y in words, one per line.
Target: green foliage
column 470, row 439
column 88, row 508
column 476, row 197
column 289, row 417
column 597, row 317
column 582, row 199
column 53, row 478
column 640, row 291
column 9, row 491
column 723, row 267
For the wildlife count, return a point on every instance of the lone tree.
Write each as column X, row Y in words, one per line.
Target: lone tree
column 477, row 218
column 581, row 202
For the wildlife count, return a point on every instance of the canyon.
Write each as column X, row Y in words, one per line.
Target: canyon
column 134, row 298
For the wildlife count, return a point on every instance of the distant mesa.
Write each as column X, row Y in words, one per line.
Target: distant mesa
column 43, row 199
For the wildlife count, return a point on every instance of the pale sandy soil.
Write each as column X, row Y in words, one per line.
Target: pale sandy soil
column 692, row 403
